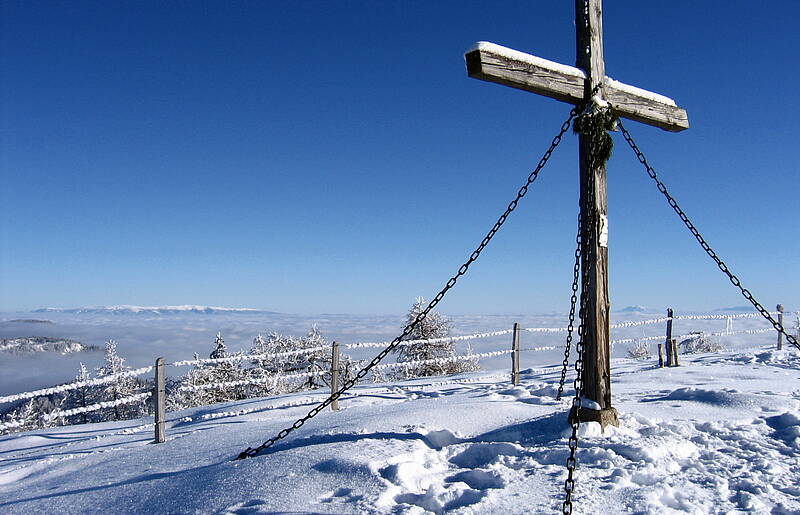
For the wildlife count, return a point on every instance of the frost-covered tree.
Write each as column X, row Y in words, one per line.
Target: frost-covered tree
column 119, row 388
column 81, row 398
column 279, row 355
column 220, row 349
column 25, row 418
column 284, row 355
column 265, row 368
column 206, row 382
column 433, row 327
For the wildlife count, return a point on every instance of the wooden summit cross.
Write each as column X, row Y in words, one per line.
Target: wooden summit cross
column 493, row 63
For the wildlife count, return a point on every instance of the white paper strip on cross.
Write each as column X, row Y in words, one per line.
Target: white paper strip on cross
column 494, row 63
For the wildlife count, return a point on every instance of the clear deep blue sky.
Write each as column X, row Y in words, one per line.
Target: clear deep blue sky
column 334, row 156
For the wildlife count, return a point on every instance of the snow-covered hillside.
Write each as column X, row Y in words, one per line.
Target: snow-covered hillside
column 719, row 434
column 36, row 344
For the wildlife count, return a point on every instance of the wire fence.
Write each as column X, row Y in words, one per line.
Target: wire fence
column 237, row 358
column 75, row 385
column 53, row 415
column 245, row 357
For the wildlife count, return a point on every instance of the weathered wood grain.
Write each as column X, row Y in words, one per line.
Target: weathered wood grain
column 543, row 80
column 597, row 344
column 335, row 375
column 515, row 355
column 668, row 337
column 159, row 401
column 552, row 80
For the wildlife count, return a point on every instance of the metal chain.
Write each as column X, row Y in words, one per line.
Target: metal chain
column 588, row 235
column 713, row 255
column 573, row 301
column 250, row 452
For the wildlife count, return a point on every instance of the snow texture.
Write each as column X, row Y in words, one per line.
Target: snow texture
column 633, row 90
column 529, row 59
column 516, row 55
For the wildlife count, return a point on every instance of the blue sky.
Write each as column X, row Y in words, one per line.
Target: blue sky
column 334, row 156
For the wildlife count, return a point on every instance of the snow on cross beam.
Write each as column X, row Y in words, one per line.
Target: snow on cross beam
column 495, row 63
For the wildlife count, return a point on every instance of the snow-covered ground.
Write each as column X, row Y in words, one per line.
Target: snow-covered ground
column 720, row 434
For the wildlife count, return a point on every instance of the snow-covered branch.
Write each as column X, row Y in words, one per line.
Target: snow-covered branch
column 11, row 425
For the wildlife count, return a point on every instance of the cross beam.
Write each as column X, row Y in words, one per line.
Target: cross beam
column 494, row 63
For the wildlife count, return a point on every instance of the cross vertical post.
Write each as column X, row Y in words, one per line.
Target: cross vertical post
column 597, row 348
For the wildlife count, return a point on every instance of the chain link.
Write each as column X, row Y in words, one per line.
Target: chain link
column 572, row 303
column 706, row 247
column 252, row 451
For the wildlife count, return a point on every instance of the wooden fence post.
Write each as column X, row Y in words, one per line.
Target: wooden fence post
column 675, row 353
column 335, row 375
column 515, row 356
column 159, row 394
column 660, row 355
column 780, row 321
column 668, row 341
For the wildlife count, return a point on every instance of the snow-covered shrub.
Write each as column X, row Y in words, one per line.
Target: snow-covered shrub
column 699, row 342
column 639, row 350
column 33, row 414
column 433, row 326
column 120, row 388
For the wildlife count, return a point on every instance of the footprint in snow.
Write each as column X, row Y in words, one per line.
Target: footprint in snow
column 247, row 508
column 438, row 482
column 340, row 495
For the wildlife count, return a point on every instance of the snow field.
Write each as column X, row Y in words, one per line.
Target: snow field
column 719, row 434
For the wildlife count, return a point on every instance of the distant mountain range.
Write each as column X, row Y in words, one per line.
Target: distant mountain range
column 634, row 309
column 155, row 310
column 737, row 308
